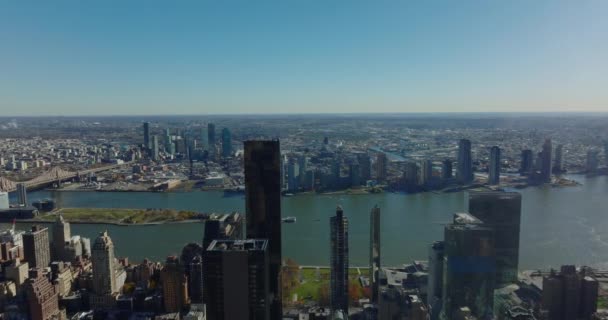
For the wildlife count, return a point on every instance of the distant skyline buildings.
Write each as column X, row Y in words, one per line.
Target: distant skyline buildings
column 464, row 172
column 494, row 166
column 546, row 163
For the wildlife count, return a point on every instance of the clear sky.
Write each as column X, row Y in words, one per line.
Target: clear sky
column 302, row 56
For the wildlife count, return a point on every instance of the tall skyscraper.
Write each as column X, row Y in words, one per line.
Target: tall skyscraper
column 435, row 278
column 175, row 285
column 446, row 169
column 302, row 167
column 61, row 235
column 426, row 172
column 36, row 247
column 339, row 262
column 226, row 143
column 195, row 279
column 527, row 162
column 469, row 268
column 21, row 194
column 374, row 252
column 236, row 280
column 147, row 135
column 204, row 138
column 211, row 135
column 494, row 167
column 410, row 179
column 501, row 211
column 464, row 171
column 365, row 165
column 592, row 162
column 545, row 166
column 263, row 207
column 381, row 166
column 42, row 296
column 155, row 155
column 292, row 180
column 104, row 269
column 558, row 164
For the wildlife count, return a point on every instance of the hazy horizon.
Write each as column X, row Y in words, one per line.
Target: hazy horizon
column 274, row 57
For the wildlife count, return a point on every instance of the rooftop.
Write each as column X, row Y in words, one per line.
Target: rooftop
column 238, row 245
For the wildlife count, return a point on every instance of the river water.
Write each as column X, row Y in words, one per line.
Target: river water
column 559, row 225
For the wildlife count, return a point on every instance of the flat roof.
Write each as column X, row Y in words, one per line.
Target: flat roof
column 238, row 245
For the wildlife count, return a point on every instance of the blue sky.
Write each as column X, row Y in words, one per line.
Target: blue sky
column 302, row 56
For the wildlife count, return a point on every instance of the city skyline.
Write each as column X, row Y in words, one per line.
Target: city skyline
column 313, row 57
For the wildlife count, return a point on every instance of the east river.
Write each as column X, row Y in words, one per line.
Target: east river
column 566, row 225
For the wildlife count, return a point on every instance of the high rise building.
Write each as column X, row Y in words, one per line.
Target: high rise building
column 21, row 194
column 155, row 155
column 558, row 164
column 147, row 135
column 426, row 172
column 263, row 207
column 446, row 169
column 226, row 143
column 236, row 280
column 381, row 166
column 302, row 167
column 410, row 180
column 195, row 279
column 42, row 296
column 61, row 235
column 545, row 165
column 339, row 261
column 292, row 180
column 104, row 270
column 464, row 171
column 211, row 135
column 569, row 294
column 527, row 162
column 592, row 162
column 36, row 247
column 435, row 278
column 501, row 211
column 494, row 167
column 204, row 138
column 175, row 285
column 365, row 165
column 469, row 268
column 374, row 253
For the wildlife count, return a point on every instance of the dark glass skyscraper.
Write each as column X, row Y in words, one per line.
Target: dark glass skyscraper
column 147, row 135
column 494, row 167
column 338, row 225
column 263, row 207
column 381, row 166
column 501, row 211
column 374, row 252
column 235, row 277
column 226, row 143
column 527, row 162
column 464, row 172
column 446, row 169
column 469, row 268
column 211, row 135
column 545, row 166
